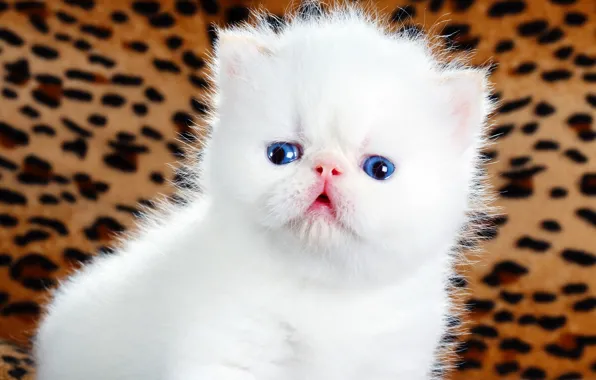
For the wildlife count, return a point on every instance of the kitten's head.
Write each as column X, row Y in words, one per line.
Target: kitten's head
column 337, row 135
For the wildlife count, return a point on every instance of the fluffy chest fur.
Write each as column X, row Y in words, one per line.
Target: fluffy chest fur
column 283, row 325
column 373, row 334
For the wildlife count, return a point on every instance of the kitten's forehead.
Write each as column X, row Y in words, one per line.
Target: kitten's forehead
column 347, row 96
column 338, row 83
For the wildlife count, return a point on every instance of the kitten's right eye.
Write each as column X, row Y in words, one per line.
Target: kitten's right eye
column 282, row 153
column 378, row 167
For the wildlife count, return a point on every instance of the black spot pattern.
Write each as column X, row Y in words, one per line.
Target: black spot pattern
column 536, row 245
column 510, row 297
column 544, row 109
column 551, row 322
column 532, row 28
column 579, row 257
column 588, row 215
column 504, row 272
column 103, row 228
column 502, row 8
column 22, row 271
column 575, row 288
column 146, row 8
column 564, row 52
column 98, row 32
column 10, row 37
column 514, row 105
column 162, row 20
column 587, row 184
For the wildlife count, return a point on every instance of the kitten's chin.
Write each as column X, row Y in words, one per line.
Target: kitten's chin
column 320, row 228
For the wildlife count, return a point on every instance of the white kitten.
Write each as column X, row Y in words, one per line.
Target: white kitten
column 337, row 178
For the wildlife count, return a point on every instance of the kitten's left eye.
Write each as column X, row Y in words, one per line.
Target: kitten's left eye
column 378, row 167
column 282, row 153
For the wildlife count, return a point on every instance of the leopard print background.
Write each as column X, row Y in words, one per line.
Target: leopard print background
column 94, row 94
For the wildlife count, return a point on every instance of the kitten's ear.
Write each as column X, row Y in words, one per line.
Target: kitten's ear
column 467, row 93
column 235, row 50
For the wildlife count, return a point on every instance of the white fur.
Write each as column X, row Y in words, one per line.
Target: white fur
column 236, row 285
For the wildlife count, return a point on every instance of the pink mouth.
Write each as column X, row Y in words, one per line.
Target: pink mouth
column 322, row 206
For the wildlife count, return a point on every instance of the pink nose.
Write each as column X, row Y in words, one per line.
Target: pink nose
column 327, row 169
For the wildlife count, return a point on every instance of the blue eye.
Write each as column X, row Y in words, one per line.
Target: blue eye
column 378, row 167
column 281, row 153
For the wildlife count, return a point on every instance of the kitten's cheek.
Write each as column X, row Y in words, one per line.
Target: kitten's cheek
column 346, row 202
column 368, row 216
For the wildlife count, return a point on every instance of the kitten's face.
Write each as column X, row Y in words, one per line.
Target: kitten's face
column 342, row 150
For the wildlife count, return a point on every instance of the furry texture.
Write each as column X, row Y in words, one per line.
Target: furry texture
column 279, row 292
